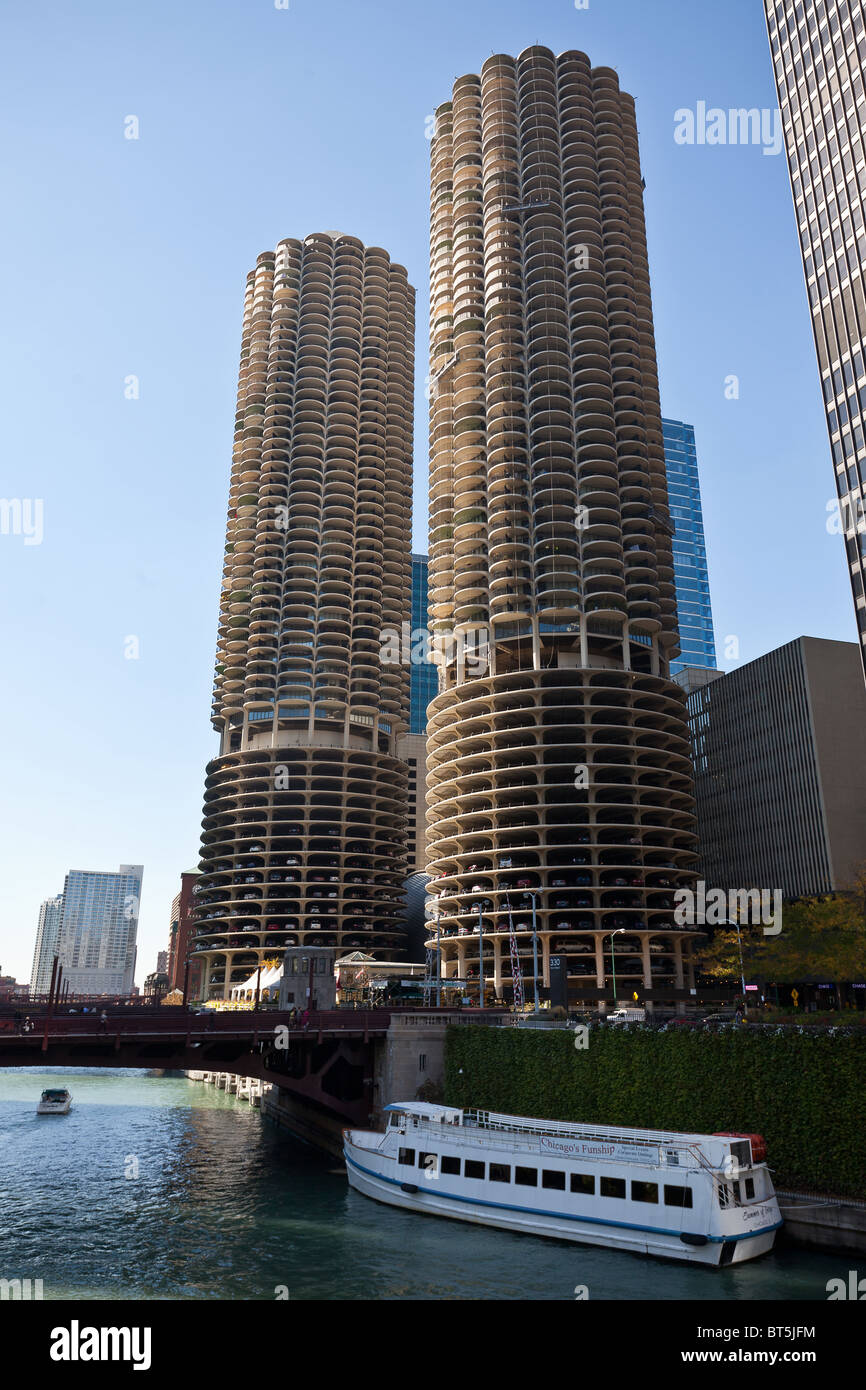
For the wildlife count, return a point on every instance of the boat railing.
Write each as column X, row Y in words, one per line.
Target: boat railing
column 526, row 1140
column 486, row 1120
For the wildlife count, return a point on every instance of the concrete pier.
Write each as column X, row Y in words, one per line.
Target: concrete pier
column 247, row 1088
column 835, row 1224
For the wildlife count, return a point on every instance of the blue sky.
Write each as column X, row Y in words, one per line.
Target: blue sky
column 128, row 257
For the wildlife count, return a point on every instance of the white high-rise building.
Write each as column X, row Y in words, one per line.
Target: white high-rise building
column 98, row 929
column 47, row 938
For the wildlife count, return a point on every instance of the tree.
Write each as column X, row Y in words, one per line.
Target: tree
column 822, row 938
column 720, row 958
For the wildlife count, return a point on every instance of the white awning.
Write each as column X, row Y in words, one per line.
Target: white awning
column 269, row 979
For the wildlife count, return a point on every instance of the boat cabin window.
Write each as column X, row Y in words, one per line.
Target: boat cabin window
column 526, row 1177
column 472, row 1169
column 450, row 1164
column 406, row 1156
column 735, row 1194
column 430, row 1162
column 750, row 1188
column 677, row 1196
column 553, row 1177
column 500, row 1172
column 396, row 1119
column 644, row 1191
column 584, row 1183
column 612, row 1187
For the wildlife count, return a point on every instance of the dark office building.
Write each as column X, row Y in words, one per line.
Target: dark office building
column 819, row 52
column 779, row 750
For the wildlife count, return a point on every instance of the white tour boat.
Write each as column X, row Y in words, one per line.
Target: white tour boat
column 704, row 1198
column 54, row 1102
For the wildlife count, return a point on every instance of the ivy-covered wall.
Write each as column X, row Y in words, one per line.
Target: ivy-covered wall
column 805, row 1094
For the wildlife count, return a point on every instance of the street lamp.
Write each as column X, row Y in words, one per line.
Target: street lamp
column 618, row 931
column 740, row 949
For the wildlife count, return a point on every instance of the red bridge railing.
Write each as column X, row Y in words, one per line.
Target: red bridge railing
column 179, row 1022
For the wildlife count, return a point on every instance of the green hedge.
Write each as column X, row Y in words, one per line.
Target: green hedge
column 805, row 1094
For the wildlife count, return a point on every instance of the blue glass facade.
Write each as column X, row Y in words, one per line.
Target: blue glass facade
column 424, row 682
column 690, row 555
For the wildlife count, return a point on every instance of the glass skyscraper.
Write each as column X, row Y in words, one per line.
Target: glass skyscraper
column 697, row 644
column 423, row 682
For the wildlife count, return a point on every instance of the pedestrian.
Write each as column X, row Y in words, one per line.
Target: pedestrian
column 103, row 1021
column 27, row 1024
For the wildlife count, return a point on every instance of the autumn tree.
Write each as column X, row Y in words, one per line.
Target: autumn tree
column 822, row 938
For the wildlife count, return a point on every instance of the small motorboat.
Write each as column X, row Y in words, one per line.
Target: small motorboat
column 54, row 1102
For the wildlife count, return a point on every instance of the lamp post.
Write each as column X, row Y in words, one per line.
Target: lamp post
column 740, row 950
column 533, row 896
column 618, row 931
column 186, row 982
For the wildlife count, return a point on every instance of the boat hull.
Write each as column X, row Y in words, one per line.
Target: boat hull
column 47, row 1108
column 428, row 1199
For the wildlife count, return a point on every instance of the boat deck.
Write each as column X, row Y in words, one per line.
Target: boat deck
column 516, row 1133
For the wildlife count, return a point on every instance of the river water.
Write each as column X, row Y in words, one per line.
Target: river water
column 157, row 1187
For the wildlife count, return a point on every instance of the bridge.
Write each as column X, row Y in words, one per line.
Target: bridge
column 340, row 1068
column 328, row 1063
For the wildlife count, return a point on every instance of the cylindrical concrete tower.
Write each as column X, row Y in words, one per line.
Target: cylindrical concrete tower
column 558, row 755
column 305, row 812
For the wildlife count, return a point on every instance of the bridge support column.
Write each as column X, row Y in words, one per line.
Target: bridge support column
column 497, row 967
column 412, row 1055
column 689, row 968
column 678, row 964
column 599, row 967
